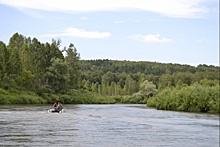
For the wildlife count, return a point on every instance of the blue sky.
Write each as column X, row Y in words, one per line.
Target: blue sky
column 165, row 31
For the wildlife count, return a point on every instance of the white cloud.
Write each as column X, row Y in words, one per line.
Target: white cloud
column 171, row 8
column 80, row 33
column 155, row 39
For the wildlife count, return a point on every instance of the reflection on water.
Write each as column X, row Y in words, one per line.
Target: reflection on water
column 106, row 125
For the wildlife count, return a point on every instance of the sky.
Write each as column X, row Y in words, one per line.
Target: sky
column 164, row 31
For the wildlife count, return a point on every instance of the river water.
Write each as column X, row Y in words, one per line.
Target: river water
column 106, row 126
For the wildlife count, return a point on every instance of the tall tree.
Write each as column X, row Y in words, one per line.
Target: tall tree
column 58, row 75
column 148, row 89
column 15, row 67
column 130, row 86
column 26, row 57
column 73, row 63
column 3, row 62
column 39, row 62
column 14, row 47
column 165, row 80
column 25, row 80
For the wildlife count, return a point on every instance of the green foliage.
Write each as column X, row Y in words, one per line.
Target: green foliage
column 3, row 61
column 17, row 97
column 72, row 60
column 84, row 97
column 28, row 65
column 162, row 75
column 194, row 98
column 134, row 99
column 147, row 90
column 25, row 80
column 58, row 75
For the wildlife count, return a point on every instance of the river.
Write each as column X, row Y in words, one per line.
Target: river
column 106, row 126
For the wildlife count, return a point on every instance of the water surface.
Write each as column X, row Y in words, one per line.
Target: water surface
column 106, row 126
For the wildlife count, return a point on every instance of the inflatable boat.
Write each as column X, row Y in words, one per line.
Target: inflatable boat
column 56, row 111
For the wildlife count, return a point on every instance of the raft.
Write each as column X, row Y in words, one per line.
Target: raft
column 56, row 111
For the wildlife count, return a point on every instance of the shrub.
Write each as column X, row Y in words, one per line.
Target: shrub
column 194, row 98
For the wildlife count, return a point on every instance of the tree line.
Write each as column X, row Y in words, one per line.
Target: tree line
column 28, row 64
column 45, row 70
column 124, row 77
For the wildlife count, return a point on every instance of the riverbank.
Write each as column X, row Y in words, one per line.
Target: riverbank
column 194, row 98
column 71, row 97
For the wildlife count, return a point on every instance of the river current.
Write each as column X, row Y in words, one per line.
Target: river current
column 106, row 126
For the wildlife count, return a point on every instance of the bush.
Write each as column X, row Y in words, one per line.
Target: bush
column 194, row 98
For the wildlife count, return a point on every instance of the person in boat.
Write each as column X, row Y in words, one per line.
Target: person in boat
column 55, row 105
column 59, row 106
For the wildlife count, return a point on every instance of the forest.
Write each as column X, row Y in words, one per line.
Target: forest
column 32, row 72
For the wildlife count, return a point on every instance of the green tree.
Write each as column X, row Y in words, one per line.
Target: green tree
column 73, row 63
column 87, row 85
column 16, row 40
column 94, row 87
column 165, row 81
column 39, row 63
column 130, row 85
column 106, row 80
column 185, row 77
column 147, row 89
column 26, row 57
column 15, row 66
column 25, row 80
column 3, row 62
column 58, row 75
column 142, row 78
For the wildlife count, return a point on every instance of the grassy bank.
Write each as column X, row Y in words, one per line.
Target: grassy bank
column 194, row 98
column 71, row 97
column 20, row 97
